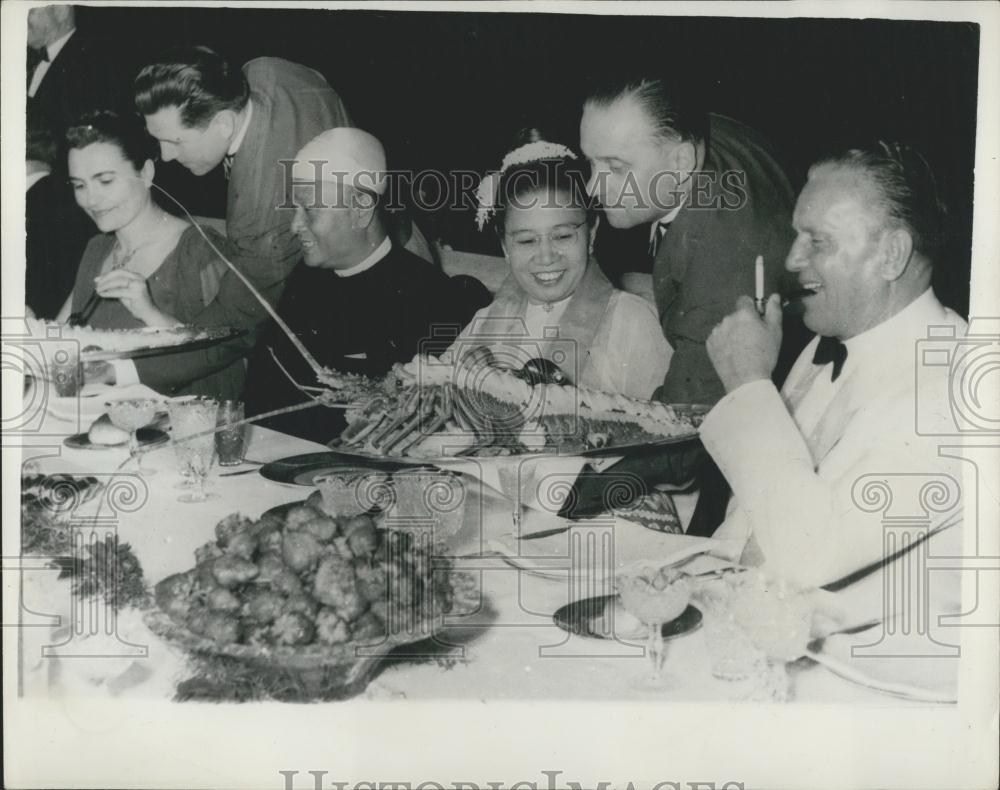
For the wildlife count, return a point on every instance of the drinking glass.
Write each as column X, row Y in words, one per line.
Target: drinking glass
column 432, row 496
column 350, row 491
column 732, row 654
column 130, row 415
column 193, row 422
column 230, row 440
column 655, row 596
column 64, row 369
column 777, row 617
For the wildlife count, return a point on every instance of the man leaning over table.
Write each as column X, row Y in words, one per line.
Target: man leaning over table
column 204, row 111
column 869, row 228
column 715, row 197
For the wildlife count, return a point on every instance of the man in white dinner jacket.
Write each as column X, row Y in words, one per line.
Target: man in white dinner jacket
column 858, row 409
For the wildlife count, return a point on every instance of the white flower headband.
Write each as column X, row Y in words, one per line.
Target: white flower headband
column 530, row 152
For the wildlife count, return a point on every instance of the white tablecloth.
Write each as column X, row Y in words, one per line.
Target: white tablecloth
column 509, row 650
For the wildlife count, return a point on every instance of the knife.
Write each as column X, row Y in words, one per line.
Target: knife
column 545, row 533
column 245, row 471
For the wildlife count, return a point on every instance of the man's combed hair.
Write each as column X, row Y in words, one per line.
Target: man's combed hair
column 675, row 113
column 196, row 80
column 908, row 191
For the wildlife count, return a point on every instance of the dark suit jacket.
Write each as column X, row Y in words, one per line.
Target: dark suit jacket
column 359, row 324
column 87, row 74
column 56, row 232
column 740, row 208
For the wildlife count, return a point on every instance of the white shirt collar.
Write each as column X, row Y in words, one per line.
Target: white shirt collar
column 377, row 254
column 238, row 139
column 35, row 177
column 907, row 324
column 56, row 46
column 879, row 356
column 667, row 218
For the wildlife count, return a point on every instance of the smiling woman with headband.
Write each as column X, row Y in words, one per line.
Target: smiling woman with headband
column 145, row 267
column 556, row 303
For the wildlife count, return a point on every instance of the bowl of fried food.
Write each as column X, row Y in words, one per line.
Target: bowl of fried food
column 306, row 595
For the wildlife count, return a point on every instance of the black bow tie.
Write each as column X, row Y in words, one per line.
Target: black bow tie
column 831, row 350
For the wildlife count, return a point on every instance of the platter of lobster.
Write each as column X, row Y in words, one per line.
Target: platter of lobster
column 428, row 411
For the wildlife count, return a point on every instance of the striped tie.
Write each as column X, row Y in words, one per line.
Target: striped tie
column 654, row 242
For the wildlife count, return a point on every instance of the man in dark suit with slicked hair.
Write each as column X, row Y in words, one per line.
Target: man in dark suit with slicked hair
column 715, row 197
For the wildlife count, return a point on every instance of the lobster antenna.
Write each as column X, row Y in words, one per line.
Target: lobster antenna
column 310, row 360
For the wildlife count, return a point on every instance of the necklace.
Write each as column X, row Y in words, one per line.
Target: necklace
column 547, row 307
column 121, row 259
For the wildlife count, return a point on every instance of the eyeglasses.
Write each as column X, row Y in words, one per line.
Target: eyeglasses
column 561, row 238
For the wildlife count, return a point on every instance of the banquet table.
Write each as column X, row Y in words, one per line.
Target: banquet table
column 509, row 649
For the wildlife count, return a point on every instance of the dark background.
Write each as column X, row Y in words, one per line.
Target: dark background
column 449, row 90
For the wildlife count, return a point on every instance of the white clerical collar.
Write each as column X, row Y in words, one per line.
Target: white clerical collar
column 377, row 254
column 661, row 224
column 238, row 139
column 56, row 46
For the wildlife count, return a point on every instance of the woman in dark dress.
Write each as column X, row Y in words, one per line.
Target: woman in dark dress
column 149, row 268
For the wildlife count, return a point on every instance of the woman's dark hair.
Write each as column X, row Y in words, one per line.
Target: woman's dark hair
column 908, row 192
column 675, row 112
column 196, row 80
column 560, row 181
column 127, row 132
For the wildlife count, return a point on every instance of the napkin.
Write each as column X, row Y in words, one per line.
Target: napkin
column 544, row 480
column 602, row 547
column 656, row 510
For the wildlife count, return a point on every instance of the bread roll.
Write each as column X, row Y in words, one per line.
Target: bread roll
column 103, row 431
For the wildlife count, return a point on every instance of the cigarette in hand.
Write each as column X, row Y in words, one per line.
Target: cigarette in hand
column 759, row 284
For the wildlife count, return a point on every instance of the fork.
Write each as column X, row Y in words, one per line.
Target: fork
column 80, row 318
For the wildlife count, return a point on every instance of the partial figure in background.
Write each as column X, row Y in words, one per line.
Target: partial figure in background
column 56, row 230
column 357, row 301
column 71, row 71
column 870, row 229
column 146, row 267
column 556, row 302
column 715, row 197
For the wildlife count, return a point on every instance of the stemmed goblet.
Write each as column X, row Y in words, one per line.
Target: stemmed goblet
column 517, row 477
column 655, row 596
column 131, row 414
